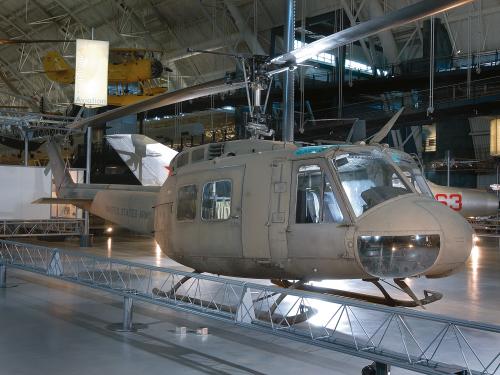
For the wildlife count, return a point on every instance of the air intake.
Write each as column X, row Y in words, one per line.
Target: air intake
column 215, row 150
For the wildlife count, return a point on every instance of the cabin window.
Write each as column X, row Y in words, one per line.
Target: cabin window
column 316, row 201
column 186, row 202
column 216, row 202
column 198, row 155
column 183, row 159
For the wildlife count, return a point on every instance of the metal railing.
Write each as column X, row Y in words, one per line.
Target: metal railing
column 37, row 125
column 48, row 227
column 405, row 338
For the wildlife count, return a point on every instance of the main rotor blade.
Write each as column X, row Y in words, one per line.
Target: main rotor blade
column 161, row 100
column 399, row 17
column 382, row 133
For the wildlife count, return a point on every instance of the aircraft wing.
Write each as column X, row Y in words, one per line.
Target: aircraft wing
column 147, row 159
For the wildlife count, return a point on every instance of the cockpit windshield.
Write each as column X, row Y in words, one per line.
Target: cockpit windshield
column 368, row 179
column 414, row 175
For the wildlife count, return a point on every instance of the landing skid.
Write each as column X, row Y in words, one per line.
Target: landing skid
column 429, row 296
column 270, row 315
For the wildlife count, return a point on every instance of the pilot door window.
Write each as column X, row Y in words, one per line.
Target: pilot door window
column 316, row 201
column 186, row 202
column 216, row 201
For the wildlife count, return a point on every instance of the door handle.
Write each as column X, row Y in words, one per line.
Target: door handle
column 235, row 217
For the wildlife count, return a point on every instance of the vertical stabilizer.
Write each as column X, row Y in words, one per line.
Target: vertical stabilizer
column 147, row 159
column 62, row 178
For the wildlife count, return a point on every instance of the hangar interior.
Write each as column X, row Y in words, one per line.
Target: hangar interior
column 303, row 171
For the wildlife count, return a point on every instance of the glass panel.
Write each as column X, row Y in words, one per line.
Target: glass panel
column 414, row 175
column 216, row 203
column 197, row 155
column 398, row 256
column 368, row 179
column 316, row 201
column 183, row 159
column 308, row 194
column 186, row 202
column 331, row 209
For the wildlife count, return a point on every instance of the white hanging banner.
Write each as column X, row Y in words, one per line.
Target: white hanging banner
column 91, row 73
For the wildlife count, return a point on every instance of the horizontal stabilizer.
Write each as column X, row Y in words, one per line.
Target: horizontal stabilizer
column 78, row 202
column 147, row 159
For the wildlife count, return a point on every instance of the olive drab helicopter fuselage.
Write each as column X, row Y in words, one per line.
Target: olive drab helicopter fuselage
column 266, row 209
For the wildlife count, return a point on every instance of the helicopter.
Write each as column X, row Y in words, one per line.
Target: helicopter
column 273, row 210
column 130, row 74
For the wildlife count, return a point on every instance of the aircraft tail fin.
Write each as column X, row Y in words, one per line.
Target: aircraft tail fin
column 382, row 133
column 57, row 68
column 147, row 159
column 61, row 175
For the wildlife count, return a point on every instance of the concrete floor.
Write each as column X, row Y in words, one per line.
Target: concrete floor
column 51, row 327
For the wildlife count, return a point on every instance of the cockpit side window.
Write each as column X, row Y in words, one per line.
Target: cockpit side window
column 316, row 201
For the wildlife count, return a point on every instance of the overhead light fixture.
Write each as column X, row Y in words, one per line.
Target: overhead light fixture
column 495, row 137
column 91, row 73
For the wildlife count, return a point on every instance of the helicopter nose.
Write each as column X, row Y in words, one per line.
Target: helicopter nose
column 457, row 241
column 412, row 235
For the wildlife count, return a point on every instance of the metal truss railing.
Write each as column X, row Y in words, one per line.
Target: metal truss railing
column 486, row 226
column 405, row 338
column 35, row 125
column 49, row 227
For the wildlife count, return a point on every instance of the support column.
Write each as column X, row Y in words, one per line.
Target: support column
column 448, row 161
column 127, row 325
column 341, row 75
column 288, row 92
column 85, row 239
column 245, row 312
column 3, row 276
column 128, row 305
column 26, row 150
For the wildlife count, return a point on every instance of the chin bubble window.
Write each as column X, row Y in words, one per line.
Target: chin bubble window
column 398, row 256
column 368, row 179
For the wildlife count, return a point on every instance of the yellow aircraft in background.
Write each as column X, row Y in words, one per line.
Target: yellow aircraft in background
column 129, row 74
